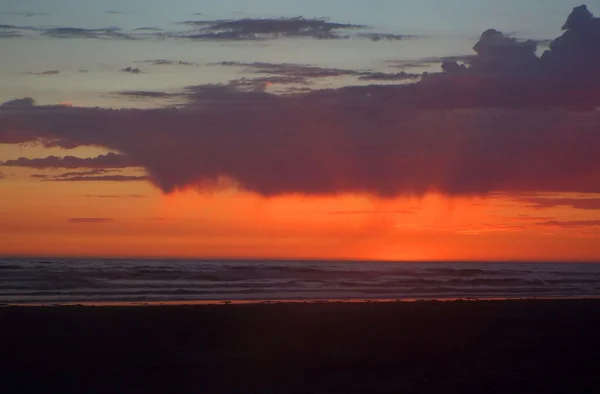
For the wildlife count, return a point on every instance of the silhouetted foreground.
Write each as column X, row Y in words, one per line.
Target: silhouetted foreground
column 425, row 347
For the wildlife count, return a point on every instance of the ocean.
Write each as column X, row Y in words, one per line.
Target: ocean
column 55, row 281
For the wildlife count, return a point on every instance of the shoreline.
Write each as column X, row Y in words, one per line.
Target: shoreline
column 263, row 301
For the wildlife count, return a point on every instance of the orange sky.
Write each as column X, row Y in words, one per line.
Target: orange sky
column 114, row 219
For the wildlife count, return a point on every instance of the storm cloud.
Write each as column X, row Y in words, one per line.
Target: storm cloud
column 504, row 122
column 334, row 142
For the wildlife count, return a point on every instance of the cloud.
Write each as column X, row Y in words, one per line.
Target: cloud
column 384, row 36
column 301, row 73
column 131, row 70
column 84, row 176
column 26, row 14
column 506, row 71
column 10, row 34
column 149, row 28
column 47, row 72
column 25, row 102
column 379, row 76
column 147, row 94
column 76, row 32
column 115, row 196
column 109, row 160
column 493, row 126
column 551, row 202
column 350, row 140
column 396, row 212
column 428, row 61
column 268, row 28
column 103, row 178
column 82, row 173
column 576, row 52
column 166, row 62
column 570, row 224
column 215, row 30
column 290, row 69
column 89, row 220
column 261, row 84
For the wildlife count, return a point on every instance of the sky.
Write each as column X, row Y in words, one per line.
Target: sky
column 379, row 130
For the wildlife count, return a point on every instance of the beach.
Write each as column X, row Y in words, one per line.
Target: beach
column 511, row 346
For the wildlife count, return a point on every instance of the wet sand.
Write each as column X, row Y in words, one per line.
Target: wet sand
column 512, row 346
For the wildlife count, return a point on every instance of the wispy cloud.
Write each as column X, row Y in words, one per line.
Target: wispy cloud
column 147, row 94
column 109, row 160
column 166, row 62
column 82, row 173
column 26, row 14
column 115, row 196
column 570, row 224
column 551, row 202
column 78, row 32
column 47, row 72
column 384, row 36
column 102, row 178
column 90, row 220
column 10, row 34
column 373, row 212
column 293, row 73
column 268, row 28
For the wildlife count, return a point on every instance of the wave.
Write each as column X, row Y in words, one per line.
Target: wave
column 69, row 280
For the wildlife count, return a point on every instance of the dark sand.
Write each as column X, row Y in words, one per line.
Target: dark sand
column 550, row 346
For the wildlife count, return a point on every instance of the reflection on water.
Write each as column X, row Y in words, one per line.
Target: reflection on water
column 134, row 281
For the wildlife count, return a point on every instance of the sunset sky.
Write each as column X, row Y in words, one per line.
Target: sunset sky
column 339, row 129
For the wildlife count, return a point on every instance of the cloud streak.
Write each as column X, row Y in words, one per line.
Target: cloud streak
column 77, row 32
column 47, row 72
column 103, row 178
column 115, row 196
column 570, row 224
column 147, row 94
column 303, row 73
column 89, row 220
column 268, row 28
column 109, row 160
column 551, row 202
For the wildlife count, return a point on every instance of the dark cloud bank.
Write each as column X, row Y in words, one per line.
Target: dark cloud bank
column 502, row 120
